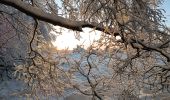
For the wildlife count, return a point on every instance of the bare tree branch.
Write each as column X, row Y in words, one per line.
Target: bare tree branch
column 51, row 18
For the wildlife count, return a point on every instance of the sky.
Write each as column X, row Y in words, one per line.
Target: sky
column 68, row 40
column 166, row 7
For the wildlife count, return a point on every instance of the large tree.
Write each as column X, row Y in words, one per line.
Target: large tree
column 141, row 59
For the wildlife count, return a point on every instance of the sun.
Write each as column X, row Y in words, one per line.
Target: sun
column 67, row 40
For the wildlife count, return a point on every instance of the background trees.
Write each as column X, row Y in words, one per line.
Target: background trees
column 139, row 61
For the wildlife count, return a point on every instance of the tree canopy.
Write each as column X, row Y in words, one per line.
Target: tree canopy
column 140, row 60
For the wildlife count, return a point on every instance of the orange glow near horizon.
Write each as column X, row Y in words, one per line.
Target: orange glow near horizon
column 68, row 41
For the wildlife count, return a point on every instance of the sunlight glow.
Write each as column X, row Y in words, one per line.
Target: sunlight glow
column 68, row 39
column 118, row 37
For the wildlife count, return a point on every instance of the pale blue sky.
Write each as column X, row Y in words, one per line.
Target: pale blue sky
column 166, row 7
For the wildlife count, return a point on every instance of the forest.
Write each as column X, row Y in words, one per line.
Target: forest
column 128, row 60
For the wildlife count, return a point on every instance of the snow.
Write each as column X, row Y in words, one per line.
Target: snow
column 9, row 88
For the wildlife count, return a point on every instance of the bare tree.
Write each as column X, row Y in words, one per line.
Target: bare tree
column 140, row 60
